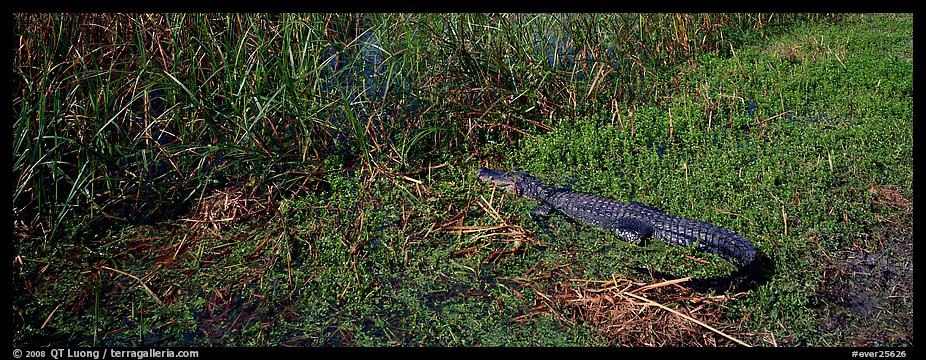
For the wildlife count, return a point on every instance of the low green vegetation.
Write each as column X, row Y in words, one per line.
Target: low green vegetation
column 309, row 180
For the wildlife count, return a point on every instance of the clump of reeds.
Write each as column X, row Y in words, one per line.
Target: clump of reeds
column 128, row 117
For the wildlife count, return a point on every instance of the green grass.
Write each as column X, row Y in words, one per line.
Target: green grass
column 356, row 146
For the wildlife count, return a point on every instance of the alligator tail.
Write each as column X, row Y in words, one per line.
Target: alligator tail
column 707, row 237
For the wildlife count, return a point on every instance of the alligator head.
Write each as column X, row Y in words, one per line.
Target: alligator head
column 503, row 179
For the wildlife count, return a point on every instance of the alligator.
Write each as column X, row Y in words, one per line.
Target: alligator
column 632, row 222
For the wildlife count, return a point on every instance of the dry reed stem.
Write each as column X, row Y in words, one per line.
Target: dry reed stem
column 504, row 233
column 658, row 285
column 49, row 316
column 721, row 333
column 156, row 299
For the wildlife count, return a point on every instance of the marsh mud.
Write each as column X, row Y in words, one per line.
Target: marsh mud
column 867, row 297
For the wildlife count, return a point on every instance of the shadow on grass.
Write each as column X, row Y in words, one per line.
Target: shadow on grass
column 746, row 278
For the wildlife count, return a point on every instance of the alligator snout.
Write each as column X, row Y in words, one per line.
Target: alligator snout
column 501, row 179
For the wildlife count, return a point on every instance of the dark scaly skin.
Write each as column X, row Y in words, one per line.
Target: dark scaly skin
column 632, row 222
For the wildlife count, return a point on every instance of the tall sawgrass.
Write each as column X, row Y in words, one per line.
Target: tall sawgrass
column 126, row 118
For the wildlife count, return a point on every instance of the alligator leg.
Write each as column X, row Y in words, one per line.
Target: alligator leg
column 542, row 210
column 631, row 230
